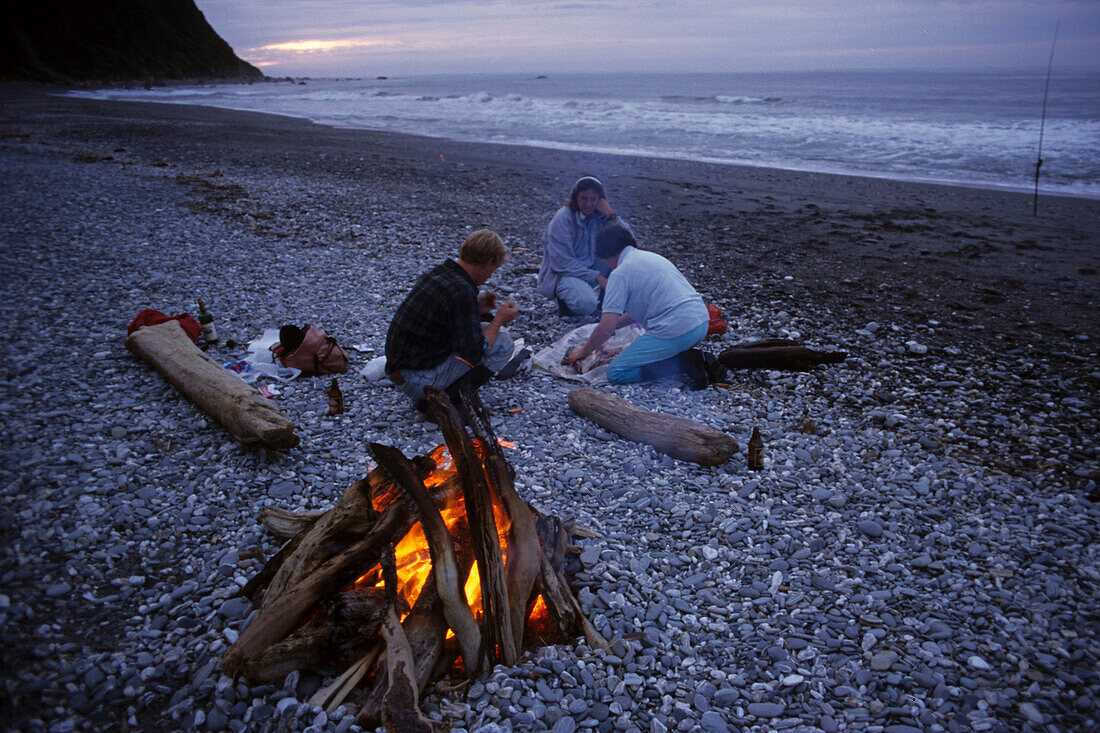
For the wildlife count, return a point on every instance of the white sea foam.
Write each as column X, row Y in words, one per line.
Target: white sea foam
column 963, row 128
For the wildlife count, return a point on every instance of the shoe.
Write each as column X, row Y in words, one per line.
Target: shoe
column 513, row 365
column 716, row 371
column 695, row 369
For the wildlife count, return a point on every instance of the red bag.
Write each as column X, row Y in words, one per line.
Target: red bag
column 317, row 354
column 150, row 317
column 717, row 325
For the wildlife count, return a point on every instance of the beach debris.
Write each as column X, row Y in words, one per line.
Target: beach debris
column 248, row 416
column 781, row 354
column 679, row 437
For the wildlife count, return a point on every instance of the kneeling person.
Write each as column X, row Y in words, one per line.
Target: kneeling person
column 437, row 336
column 646, row 288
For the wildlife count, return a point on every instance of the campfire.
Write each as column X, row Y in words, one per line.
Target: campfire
column 426, row 567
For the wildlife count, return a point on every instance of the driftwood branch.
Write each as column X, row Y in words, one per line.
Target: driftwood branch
column 779, row 354
column 248, row 416
column 284, row 524
column 401, row 702
column 498, row 635
column 679, row 437
column 423, row 631
column 277, row 619
column 449, row 582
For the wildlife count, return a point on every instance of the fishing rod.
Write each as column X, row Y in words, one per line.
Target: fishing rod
column 1043, row 123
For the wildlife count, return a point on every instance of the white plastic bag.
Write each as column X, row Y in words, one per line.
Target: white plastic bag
column 375, row 369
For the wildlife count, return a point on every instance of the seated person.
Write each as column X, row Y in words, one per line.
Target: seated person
column 570, row 272
column 437, row 336
column 646, row 288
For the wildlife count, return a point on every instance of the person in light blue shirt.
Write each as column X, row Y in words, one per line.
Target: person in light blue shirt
column 571, row 273
column 646, row 288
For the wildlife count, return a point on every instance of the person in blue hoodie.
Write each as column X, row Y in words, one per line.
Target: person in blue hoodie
column 571, row 274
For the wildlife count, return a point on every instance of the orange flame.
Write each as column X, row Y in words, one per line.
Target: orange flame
column 411, row 552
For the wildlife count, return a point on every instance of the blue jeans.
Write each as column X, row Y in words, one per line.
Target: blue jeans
column 452, row 368
column 578, row 297
column 645, row 350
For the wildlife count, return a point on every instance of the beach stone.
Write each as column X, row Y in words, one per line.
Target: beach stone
column 883, row 661
column 282, row 490
column 870, row 528
column 712, row 722
column 976, row 662
column 765, row 709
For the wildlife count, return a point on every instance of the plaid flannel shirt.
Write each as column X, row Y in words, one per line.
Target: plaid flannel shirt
column 438, row 317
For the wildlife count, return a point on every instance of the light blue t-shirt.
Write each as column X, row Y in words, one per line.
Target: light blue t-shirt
column 652, row 291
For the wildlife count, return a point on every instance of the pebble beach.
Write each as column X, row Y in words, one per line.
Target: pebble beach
column 919, row 553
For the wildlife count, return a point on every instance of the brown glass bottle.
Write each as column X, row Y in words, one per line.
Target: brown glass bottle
column 756, row 451
column 335, row 399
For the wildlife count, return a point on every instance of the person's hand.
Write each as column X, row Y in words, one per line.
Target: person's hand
column 604, row 208
column 486, row 300
column 576, row 355
column 602, row 281
column 507, row 312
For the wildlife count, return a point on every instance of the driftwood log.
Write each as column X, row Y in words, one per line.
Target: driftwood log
column 779, row 354
column 248, row 416
column 679, row 437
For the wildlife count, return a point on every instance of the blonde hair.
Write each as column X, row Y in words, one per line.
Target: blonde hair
column 483, row 247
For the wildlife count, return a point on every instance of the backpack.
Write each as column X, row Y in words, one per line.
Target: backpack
column 314, row 353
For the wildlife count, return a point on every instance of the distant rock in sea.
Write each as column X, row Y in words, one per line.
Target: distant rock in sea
column 68, row 41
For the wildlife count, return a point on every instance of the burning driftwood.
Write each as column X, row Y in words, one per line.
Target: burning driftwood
column 679, row 437
column 780, row 354
column 373, row 585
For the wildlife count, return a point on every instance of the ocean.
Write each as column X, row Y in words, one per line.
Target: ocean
column 972, row 129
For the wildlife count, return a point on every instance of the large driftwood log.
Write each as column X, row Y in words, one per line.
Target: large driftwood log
column 780, row 354
column 248, row 416
column 679, row 437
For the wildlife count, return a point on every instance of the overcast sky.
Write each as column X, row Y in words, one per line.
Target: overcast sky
column 373, row 37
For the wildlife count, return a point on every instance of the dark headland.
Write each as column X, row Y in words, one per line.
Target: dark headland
column 77, row 41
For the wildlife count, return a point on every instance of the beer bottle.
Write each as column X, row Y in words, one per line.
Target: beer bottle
column 756, row 451
column 209, row 330
column 335, row 399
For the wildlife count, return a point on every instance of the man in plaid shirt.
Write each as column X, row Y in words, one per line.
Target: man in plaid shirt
column 437, row 336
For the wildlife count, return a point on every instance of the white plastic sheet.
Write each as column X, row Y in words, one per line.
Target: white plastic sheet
column 593, row 368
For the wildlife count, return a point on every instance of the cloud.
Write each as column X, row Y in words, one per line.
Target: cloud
column 315, row 46
column 344, row 37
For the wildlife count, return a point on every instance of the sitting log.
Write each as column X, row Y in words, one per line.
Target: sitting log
column 780, row 354
column 679, row 437
column 248, row 416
